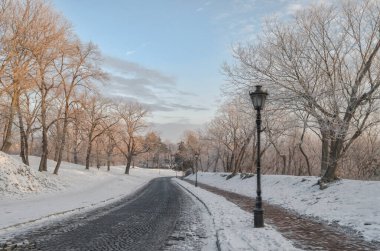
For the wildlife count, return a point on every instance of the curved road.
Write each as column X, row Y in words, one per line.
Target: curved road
column 154, row 218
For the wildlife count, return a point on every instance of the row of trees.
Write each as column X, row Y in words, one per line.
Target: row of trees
column 322, row 72
column 321, row 69
column 49, row 103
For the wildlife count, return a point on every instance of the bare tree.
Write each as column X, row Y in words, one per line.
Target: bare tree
column 17, row 20
column 234, row 129
column 49, row 34
column 324, row 63
column 129, row 140
column 98, row 120
column 76, row 67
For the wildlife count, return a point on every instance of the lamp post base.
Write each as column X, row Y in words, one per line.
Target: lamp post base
column 258, row 217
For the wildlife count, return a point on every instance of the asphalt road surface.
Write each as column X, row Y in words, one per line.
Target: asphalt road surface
column 162, row 216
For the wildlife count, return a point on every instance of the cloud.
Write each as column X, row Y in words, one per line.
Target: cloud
column 131, row 68
column 131, row 52
column 189, row 107
column 152, row 88
column 199, row 9
column 130, row 87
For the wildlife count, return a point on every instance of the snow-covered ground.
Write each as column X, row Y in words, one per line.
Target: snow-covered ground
column 234, row 227
column 351, row 203
column 29, row 198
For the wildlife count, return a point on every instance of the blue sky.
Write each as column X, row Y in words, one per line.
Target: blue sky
column 168, row 54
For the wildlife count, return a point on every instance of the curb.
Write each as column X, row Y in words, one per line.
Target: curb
column 209, row 212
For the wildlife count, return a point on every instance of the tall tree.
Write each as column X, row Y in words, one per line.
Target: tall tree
column 129, row 141
column 48, row 34
column 76, row 66
column 325, row 63
column 98, row 118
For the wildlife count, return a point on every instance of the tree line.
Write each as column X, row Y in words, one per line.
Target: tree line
column 49, row 101
column 321, row 69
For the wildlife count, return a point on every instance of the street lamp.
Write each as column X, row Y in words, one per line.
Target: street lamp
column 172, row 163
column 258, row 100
column 196, row 155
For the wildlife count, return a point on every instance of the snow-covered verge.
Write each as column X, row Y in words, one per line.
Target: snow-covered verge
column 17, row 179
column 29, row 198
column 234, row 227
column 350, row 203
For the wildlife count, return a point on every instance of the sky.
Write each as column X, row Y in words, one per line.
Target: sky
column 168, row 54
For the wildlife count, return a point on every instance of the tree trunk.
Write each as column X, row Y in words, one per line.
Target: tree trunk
column 75, row 153
column 31, row 144
column 306, row 159
column 240, row 157
column 109, row 156
column 325, row 153
column 62, row 142
column 108, row 163
column 216, row 161
column 23, row 138
column 44, row 155
column 128, row 166
column 8, row 128
column 335, row 154
column 97, row 156
column 283, row 157
column 89, row 148
column 76, row 145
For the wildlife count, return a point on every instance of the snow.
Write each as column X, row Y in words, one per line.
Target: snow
column 234, row 227
column 350, row 203
column 29, row 198
column 16, row 178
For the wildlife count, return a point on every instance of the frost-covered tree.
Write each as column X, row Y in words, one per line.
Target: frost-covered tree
column 324, row 63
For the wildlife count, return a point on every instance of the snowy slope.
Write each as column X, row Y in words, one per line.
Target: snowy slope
column 17, row 178
column 351, row 203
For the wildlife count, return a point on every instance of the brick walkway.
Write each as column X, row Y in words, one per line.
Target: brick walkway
column 306, row 233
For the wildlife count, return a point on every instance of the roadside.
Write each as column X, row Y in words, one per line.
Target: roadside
column 233, row 227
column 305, row 233
column 350, row 204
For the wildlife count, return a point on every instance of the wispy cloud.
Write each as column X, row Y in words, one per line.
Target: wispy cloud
column 154, row 89
column 135, row 50
column 130, row 52
column 138, row 71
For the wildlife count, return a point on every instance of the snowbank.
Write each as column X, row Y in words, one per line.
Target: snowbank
column 17, row 178
column 351, row 203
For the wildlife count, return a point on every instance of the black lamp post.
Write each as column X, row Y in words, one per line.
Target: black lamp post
column 258, row 100
column 196, row 155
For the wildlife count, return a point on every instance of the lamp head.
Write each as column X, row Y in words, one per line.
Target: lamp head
column 258, row 98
